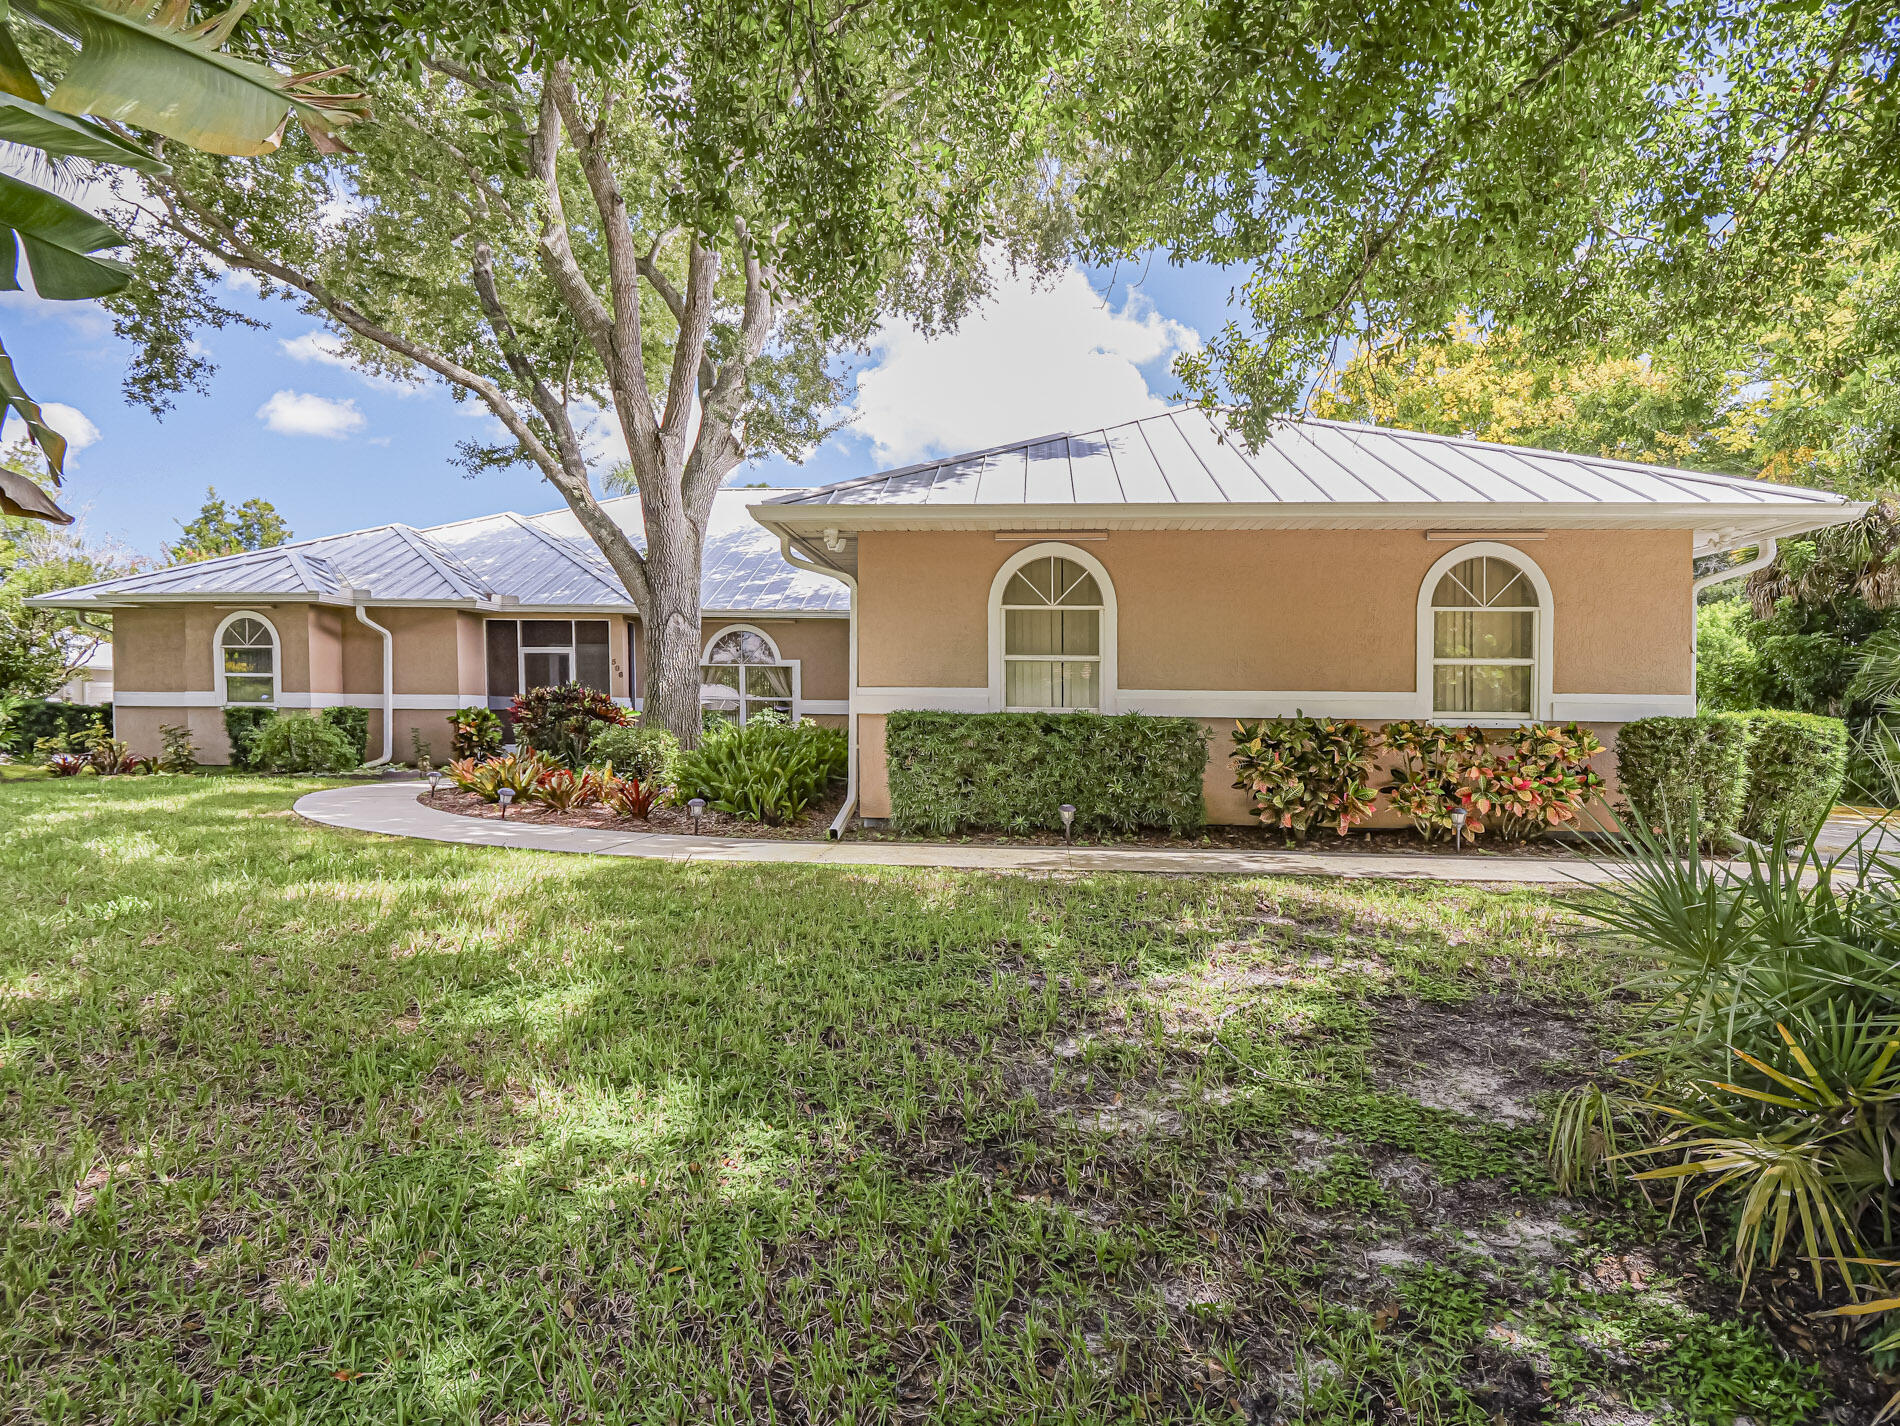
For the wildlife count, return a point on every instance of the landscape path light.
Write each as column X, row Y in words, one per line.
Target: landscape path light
column 505, row 796
column 1067, row 810
column 435, row 780
column 696, row 807
column 1458, row 816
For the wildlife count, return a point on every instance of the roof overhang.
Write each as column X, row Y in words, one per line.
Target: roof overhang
column 1717, row 526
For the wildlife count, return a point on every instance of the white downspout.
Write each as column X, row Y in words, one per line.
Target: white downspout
column 389, row 688
column 836, row 830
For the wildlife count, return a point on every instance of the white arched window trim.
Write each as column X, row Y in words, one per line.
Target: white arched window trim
column 1546, row 621
column 1110, row 681
column 778, row 657
column 276, row 657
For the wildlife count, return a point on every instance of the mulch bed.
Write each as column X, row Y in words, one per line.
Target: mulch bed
column 674, row 821
column 812, row 826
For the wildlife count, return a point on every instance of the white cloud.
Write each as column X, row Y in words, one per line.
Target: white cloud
column 1032, row 361
column 328, row 349
column 300, row 413
column 69, row 421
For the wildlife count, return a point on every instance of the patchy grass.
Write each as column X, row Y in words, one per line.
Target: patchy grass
column 304, row 1126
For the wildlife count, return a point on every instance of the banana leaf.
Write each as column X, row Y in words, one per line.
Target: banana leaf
column 59, row 238
column 22, row 121
column 144, row 63
column 18, row 494
column 16, row 76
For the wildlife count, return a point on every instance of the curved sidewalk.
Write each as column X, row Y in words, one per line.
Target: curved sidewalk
column 391, row 808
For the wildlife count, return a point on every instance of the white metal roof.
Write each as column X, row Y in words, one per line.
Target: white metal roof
column 1183, row 469
column 538, row 561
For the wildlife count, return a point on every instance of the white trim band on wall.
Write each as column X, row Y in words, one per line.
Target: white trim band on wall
column 1373, row 707
column 204, row 698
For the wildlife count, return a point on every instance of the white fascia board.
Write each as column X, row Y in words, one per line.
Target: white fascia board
column 1322, row 515
column 1366, row 706
column 208, row 698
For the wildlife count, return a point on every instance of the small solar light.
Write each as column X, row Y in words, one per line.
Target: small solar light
column 435, row 781
column 696, row 806
column 1458, row 816
column 505, row 796
column 1067, row 810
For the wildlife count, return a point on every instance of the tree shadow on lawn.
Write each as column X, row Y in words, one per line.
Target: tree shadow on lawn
column 393, row 1131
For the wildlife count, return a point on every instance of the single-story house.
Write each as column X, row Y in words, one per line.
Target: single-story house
column 1154, row 566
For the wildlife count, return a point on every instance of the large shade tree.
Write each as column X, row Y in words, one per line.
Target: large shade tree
column 1635, row 170
column 668, row 217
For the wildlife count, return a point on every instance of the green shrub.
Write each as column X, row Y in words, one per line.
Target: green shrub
column 645, row 752
column 1796, row 765
column 1681, row 771
column 353, row 723
column 241, row 726
column 560, row 722
column 31, row 719
column 475, row 732
column 178, row 752
column 1299, row 772
column 1729, row 673
column 1521, row 783
column 1010, row 772
column 297, row 742
column 765, row 771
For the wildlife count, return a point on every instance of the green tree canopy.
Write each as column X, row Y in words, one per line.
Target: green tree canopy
column 218, row 529
column 676, row 213
column 1629, row 171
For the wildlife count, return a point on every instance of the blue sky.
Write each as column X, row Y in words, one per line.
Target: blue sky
column 334, row 450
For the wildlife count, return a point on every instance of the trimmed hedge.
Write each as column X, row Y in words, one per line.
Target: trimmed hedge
column 1010, row 772
column 242, row 725
column 43, row 718
column 1676, row 771
column 1796, row 765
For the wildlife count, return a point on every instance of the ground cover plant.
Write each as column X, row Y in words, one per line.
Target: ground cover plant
column 298, row 1124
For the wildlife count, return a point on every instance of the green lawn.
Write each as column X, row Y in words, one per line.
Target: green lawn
column 298, row 1125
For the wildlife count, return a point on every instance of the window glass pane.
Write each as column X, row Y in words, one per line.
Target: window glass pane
column 754, row 707
column 1078, row 684
column 590, row 631
column 1052, row 631
column 1020, row 591
column 247, row 633
column 719, row 688
column 545, row 670
column 1029, row 683
column 547, row 633
column 247, row 689
column 768, row 681
column 1076, row 586
column 1482, row 688
column 504, row 675
column 740, row 646
column 249, row 660
column 1484, row 582
column 1032, row 631
column 591, row 667
column 719, row 677
column 1483, row 634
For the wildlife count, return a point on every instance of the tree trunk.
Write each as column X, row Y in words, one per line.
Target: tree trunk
column 670, row 631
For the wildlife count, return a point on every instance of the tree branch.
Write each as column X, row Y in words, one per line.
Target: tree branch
column 689, row 348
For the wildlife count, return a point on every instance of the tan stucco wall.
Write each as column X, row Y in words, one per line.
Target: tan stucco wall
column 1327, row 610
column 1292, row 610
column 822, row 647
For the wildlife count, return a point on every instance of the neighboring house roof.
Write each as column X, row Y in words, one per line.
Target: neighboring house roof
column 539, row 561
column 1180, row 468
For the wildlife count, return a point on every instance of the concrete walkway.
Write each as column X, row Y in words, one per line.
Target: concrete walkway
column 391, row 808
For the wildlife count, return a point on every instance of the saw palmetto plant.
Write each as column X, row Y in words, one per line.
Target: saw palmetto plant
column 1766, row 1084
column 130, row 67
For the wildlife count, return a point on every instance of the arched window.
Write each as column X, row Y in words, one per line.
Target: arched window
column 247, row 659
column 741, row 674
column 1488, row 636
column 1052, row 632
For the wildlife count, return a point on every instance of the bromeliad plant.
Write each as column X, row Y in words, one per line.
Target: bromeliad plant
column 519, row 773
column 1770, row 1065
column 764, row 771
column 1301, row 772
column 563, row 789
column 627, row 796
